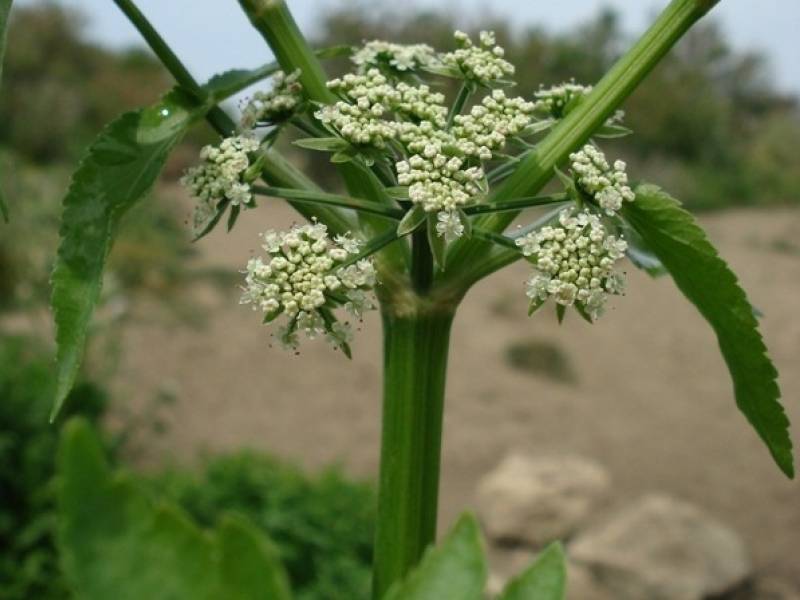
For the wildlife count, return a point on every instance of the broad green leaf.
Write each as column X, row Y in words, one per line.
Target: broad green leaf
column 453, row 570
column 545, row 579
column 118, row 170
column 5, row 9
column 116, row 543
column 121, row 166
column 250, row 568
column 411, row 220
column 707, row 281
column 327, row 144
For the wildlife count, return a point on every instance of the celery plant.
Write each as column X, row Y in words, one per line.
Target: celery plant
column 431, row 188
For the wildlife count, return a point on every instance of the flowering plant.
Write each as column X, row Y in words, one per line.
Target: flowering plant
column 432, row 185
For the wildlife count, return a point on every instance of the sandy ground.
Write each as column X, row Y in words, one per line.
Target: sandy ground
column 652, row 400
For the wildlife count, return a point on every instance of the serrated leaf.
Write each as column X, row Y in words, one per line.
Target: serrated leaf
column 249, row 565
column 707, row 281
column 437, row 243
column 453, row 570
column 115, row 542
column 545, row 579
column 117, row 171
column 327, row 144
column 411, row 220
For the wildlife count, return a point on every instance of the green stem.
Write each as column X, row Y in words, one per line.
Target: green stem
column 536, row 169
column 415, row 366
column 273, row 20
column 458, row 104
column 421, row 261
column 216, row 117
column 516, row 204
column 326, row 199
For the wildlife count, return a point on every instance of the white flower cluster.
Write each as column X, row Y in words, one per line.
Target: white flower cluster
column 575, row 262
column 401, row 57
column 483, row 63
column 277, row 104
column 490, row 123
column 608, row 185
column 302, row 281
column 221, row 176
column 363, row 117
column 437, row 181
column 553, row 101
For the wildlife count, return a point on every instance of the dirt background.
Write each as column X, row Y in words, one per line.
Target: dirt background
column 650, row 397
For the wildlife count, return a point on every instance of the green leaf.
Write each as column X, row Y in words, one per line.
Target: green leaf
column 249, row 565
column 611, row 132
column 116, row 543
column 397, row 192
column 119, row 169
column 704, row 278
column 412, row 219
column 545, row 579
column 640, row 254
column 326, row 144
column 454, row 570
column 437, row 243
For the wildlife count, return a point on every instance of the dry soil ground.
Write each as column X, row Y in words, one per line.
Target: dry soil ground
column 651, row 399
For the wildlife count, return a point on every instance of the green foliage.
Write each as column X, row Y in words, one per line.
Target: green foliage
column 454, row 570
column 5, row 7
column 119, row 169
column 28, row 562
column 117, row 543
column 322, row 527
column 546, row 579
column 704, row 278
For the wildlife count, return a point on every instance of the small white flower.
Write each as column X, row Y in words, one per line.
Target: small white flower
column 483, row 63
column 300, row 279
column 223, row 175
column 606, row 184
column 449, row 225
column 277, row 104
column 574, row 262
column 401, row 57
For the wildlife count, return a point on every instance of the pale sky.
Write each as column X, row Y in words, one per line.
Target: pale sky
column 213, row 35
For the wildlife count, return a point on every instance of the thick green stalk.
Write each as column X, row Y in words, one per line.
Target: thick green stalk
column 415, row 366
column 536, row 169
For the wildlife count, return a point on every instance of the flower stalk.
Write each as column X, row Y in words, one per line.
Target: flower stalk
column 415, row 366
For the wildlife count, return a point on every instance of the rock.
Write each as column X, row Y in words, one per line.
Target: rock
column 659, row 548
column 533, row 501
